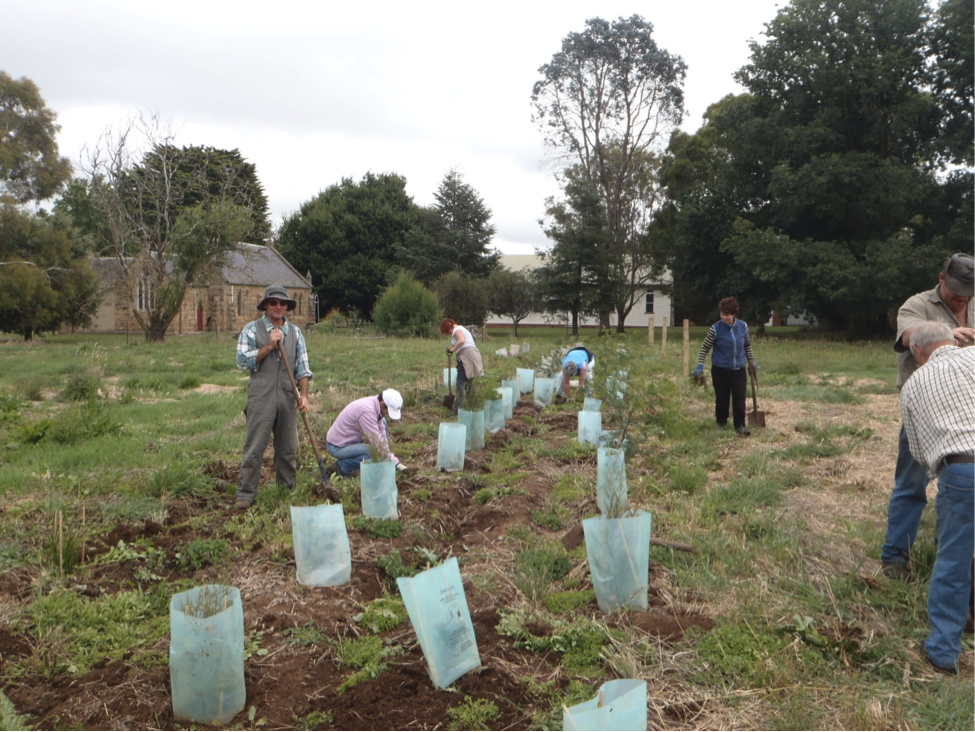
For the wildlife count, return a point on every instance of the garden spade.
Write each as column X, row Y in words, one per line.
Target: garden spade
column 311, row 436
column 448, row 400
column 756, row 418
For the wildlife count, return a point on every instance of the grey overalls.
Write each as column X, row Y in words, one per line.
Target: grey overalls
column 270, row 408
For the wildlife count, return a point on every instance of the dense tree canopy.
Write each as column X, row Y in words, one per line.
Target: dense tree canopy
column 163, row 219
column 817, row 190
column 573, row 277
column 512, row 294
column 31, row 168
column 462, row 297
column 455, row 233
column 46, row 280
column 348, row 236
column 45, row 276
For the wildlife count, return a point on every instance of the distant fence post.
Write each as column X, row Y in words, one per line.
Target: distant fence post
column 650, row 330
column 663, row 340
column 687, row 340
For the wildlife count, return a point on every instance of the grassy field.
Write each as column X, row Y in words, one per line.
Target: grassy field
column 118, row 473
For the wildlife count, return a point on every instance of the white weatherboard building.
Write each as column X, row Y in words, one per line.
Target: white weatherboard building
column 653, row 301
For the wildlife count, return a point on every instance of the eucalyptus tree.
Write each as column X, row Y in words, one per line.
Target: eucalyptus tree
column 606, row 103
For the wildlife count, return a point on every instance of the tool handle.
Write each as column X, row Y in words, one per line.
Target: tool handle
column 294, row 386
column 751, row 372
column 450, row 381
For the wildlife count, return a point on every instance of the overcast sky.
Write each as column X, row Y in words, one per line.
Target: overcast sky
column 312, row 92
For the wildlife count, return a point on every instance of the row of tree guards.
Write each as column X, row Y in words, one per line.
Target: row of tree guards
column 207, row 623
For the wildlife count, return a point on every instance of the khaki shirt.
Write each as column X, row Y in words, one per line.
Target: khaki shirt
column 918, row 309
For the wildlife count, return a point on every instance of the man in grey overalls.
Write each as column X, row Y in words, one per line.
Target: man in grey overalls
column 271, row 401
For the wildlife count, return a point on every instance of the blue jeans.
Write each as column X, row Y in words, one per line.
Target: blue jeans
column 951, row 578
column 907, row 502
column 348, row 456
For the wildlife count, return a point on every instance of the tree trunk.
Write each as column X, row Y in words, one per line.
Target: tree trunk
column 156, row 332
column 575, row 322
column 515, row 323
column 28, row 333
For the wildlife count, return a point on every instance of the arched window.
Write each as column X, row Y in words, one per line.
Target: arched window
column 146, row 298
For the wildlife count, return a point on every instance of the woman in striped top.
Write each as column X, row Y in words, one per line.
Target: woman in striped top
column 732, row 346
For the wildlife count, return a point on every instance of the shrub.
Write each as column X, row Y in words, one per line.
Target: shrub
column 201, row 553
column 81, row 387
column 463, row 298
column 407, row 308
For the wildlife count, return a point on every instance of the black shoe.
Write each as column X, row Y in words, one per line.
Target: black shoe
column 897, row 571
column 722, row 425
column 743, row 431
column 949, row 670
column 244, row 503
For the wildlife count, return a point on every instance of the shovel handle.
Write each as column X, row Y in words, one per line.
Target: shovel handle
column 294, row 386
column 751, row 372
column 450, row 385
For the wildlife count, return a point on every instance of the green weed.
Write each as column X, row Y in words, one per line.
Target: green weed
column 313, row 720
column 687, row 479
column 473, row 714
column 81, row 388
column 394, row 566
column 376, row 528
column 200, row 553
column 743, row 495
column 382, row 614
column 182, row 479
column 305, row 635
column 564, row 602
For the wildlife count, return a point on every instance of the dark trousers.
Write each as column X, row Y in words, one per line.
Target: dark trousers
column 727, row 382
column 461, row 385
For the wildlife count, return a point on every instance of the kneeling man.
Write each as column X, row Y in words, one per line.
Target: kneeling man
column 361, row 425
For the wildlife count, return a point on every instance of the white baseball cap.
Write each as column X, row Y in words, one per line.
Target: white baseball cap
column 394, row 403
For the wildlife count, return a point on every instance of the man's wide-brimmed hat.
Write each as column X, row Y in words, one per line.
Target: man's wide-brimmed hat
column 278, row 293
column 957, row 270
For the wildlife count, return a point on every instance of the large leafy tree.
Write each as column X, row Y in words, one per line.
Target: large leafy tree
column 455, row 233
column 463, row 298
column 572, row 278
column 45, row 277
column 167, row 224
column 953, row 50
column 606, row 103
column 348, row 236
column 818, row 188
column 512, row 294
column 31, row 168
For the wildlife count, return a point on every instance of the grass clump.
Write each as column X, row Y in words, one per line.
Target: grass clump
column 580, row 641
column 738, row 654
column 484, row 496
column 743, row 495
column 473, row 714
column 536, row 567
column 382, row 614
column 182, row 479
column 200, row 553
column 313, row 720
column 367, row 654
column 687, row 479
column 81, row 388
column 560, row 603
column 305, row 635
column 394, row 566
column 377, row 528
column 84, row 422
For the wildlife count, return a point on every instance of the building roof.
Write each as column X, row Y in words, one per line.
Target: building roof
column 249, row 264
column 252, row 264
column 517, row 262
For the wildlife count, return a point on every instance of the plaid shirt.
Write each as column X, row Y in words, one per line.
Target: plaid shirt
column 938, row 406
column 247, row 349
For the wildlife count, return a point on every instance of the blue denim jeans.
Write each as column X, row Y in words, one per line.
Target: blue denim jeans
column 951, row 578
column 348, row 456
column 907, row 502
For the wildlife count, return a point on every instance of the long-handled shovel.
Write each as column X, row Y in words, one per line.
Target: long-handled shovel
column 448, row 400
column 756, row 418
column 311, row 436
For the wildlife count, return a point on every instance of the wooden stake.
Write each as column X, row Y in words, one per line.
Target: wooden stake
column 687, row 340
column 650, row 330
column 663, row 339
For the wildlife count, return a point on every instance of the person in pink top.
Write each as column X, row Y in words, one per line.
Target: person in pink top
column 361, row 425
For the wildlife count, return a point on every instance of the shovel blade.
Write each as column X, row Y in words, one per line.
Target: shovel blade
column 448, row 401
column 756, row 418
